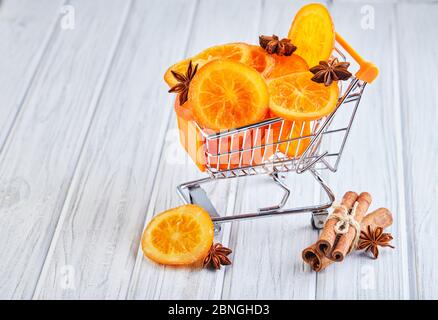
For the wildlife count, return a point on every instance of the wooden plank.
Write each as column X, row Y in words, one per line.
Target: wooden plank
column 41, row 155
column 267, row 252
column 216, row 22
column 419, row 104
column 25, row 28
column 372, row 161
column 105, row 211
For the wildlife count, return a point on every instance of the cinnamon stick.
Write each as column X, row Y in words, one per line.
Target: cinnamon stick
column 345, row 241
column 328, row 237
column 381, row 217
column 314, row 258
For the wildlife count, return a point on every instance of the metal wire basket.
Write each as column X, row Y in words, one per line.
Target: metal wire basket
column 276, row 146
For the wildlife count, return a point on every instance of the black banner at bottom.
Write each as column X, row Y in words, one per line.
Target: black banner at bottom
column 196, row 309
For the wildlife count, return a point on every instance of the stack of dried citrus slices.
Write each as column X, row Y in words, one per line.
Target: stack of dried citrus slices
column 237, row 84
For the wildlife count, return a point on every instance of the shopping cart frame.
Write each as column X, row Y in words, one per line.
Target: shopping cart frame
column 312, row 159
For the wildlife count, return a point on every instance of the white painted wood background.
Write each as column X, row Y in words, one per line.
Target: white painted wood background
column 89, row 153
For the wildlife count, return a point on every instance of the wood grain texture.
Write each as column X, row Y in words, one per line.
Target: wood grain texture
column 215, row 22
column 105, row 212
column 267, row 252
column 41, row 154
column 419, row 115
column 25, row 29
column 372, row 162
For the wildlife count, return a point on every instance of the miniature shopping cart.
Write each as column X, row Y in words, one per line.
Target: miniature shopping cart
column 275, row 147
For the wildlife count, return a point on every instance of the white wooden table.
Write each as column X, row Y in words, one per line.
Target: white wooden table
column 89, row 152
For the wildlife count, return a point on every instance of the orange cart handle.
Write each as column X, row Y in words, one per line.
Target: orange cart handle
column 368, row 72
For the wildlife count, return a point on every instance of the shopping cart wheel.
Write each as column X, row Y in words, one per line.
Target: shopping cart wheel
column 217, row 229
column 318, row 219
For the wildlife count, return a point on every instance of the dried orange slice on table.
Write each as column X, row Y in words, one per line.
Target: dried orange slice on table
column 179, row 236
column 313, row 33
column 297, row 97
column 225, row 94
column 233, row 51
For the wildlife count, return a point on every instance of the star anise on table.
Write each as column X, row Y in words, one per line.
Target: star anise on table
column 217, row 256
column 371, row 239
column 273, row 44
column 182, row 87
column 328, row 71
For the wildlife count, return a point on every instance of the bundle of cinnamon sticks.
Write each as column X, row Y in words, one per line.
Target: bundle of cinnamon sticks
column 341, row 232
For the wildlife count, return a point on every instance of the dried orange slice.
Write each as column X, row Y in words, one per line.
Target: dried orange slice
column 313, row 33
column 260, row 60
column 284, row 65
column 297, row 97
column 233, row 51
column 225, row 94
column 180, row 67
column 179, row 236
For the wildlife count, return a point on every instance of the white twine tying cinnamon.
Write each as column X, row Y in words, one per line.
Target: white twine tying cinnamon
column 346, row 219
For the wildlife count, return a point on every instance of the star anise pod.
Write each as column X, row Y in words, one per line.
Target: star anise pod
column 371, row 239
column 182, row 87
column 273, row 44
column 328, row 71
column 217, row 256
